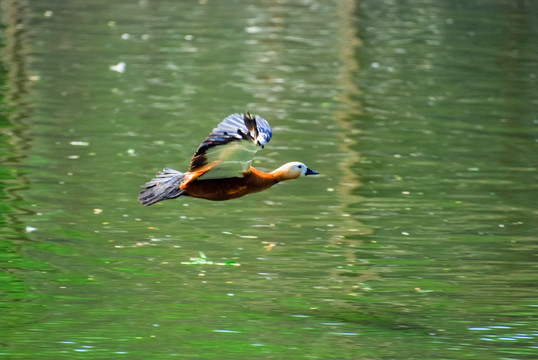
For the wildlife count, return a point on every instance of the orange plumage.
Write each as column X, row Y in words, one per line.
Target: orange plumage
column 220, row 168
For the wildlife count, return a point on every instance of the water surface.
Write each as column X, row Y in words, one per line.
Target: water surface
column 418, row 239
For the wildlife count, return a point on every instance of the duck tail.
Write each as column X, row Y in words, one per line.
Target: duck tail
column 164, row 186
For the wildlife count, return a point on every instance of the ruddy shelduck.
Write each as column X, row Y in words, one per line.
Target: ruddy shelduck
column 221, row 166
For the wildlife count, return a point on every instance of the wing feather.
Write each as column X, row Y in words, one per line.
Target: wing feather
column 231, row 146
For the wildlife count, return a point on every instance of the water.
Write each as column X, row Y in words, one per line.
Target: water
column 417, row 241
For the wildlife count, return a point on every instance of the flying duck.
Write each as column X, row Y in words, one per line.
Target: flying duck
column 220, row 169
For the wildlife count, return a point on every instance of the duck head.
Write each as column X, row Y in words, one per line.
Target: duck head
column 293, row 170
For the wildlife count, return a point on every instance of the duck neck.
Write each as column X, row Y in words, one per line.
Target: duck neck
column 281, row 174
column 262, row 180
column 261, row 174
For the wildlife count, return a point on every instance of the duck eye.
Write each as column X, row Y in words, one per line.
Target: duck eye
column 300, row 166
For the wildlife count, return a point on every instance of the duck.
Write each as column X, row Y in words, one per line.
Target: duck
column 221, row 168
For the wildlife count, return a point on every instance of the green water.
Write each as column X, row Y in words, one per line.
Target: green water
column 417, row 241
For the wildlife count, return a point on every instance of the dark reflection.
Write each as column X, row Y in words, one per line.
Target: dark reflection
column 352, row 231
column 17, row 81
column 15, row 109
column 14, row 112
column 18, row 299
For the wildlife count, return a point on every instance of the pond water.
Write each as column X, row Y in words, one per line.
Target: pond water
column 416, row 241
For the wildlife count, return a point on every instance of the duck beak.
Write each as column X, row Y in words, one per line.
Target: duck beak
column 310, row 172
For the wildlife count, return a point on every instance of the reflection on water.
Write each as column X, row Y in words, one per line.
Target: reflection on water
column 416, row 241
column 348, row 156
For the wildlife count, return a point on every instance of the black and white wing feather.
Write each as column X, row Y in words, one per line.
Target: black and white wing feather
column 230, row 147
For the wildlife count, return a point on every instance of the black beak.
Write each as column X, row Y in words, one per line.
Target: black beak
column 310, row 172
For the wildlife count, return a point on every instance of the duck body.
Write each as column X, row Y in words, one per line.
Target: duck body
column 231, row 188
column 220, row 168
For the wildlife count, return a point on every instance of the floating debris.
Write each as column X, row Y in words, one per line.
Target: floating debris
column 30, row 229
column 419, row 290
column 202, row 260
column 119, row 67
column 79, row 143
column 226, row 331
column 248, row 236
column 270, row 246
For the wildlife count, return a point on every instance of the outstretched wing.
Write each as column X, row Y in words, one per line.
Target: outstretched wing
column 230, row 147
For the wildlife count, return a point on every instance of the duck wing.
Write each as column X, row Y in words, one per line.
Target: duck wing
column 230, row 147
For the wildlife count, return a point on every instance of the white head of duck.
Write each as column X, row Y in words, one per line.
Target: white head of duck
column 293, row 170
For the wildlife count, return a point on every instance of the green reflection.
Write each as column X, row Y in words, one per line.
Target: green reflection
column 419, row 115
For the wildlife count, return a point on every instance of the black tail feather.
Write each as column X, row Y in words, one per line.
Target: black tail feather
column 164, row 186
